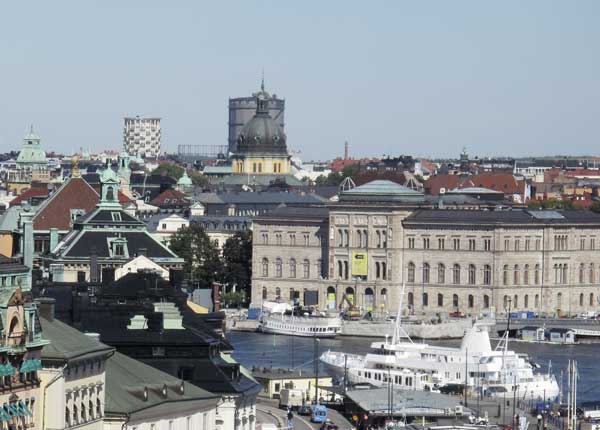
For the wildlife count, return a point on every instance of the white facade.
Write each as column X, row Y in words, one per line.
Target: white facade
column 168, row 226
column 159, row 420
column 141, row 262
column 141, row 137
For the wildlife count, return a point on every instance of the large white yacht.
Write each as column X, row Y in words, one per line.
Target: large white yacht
column 419, row 366
column 281, row 318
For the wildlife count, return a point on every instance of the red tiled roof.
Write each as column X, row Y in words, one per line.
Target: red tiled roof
column 170, row 197
column 504, row 182
column 26, row 195
column 55, row 212
column 435, row 183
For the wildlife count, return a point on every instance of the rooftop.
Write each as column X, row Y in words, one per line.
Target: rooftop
column 381, row 190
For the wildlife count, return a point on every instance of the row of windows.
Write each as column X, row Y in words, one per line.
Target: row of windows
column 456, row 274
column 361, row 238
column 291, row 268
column 456, row 243
column 513, row 302
column 380, row 270
column 81, row 412
column 291, row 239
column 440, row 300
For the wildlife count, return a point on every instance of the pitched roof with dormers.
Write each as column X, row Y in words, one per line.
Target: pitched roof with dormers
column 55, row 212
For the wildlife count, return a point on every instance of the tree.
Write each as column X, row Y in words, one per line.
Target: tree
column 198, row 179
column 237, row 256
column 202, row 263
column 169, row 169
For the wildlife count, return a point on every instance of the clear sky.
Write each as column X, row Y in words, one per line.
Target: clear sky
column 420, row 77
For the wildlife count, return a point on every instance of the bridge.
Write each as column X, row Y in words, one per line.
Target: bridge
column 581, row 327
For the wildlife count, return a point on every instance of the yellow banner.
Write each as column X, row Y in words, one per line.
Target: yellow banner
column 360, row 265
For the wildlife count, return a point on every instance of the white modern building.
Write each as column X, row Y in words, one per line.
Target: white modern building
column 141, row 137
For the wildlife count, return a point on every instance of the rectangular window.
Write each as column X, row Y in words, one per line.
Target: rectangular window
column 426, row 243
column 487, row 244
column 527, row 244
column 592, row 243
column 456, row 244
column 471, row 244
column 538, row 244
column 158, row 351
column 582, row 243
column 411, row 243
column 116, row 216
column 506, row 244
column 441, row 243
column 517, row 244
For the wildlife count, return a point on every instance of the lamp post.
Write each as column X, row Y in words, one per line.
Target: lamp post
column 316, row 370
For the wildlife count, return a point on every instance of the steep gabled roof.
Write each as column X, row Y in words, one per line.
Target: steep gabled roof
column 55, row 212
column 170, row 197
column 30, row 193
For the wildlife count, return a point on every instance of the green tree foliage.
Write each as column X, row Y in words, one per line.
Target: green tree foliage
column 169, row 169
column 552, row 204
column 233, row 299
column 336, row 178
column 237, row 256
column 595, row 206
column 198, row 179
column 202, row 262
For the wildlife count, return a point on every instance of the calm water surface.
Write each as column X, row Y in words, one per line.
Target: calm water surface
column 257, row 349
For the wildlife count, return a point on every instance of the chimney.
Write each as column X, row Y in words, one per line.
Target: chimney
column 94, row 269
column 345, row 150
column 27, row 241
column 216, row 297
column 46, row 307
column 53, row 238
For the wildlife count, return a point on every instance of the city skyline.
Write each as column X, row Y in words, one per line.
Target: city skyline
column 423, row 79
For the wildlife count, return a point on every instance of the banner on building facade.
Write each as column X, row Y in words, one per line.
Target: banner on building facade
column 360, row 266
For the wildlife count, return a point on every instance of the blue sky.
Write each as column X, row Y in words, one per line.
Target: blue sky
column 391, row 77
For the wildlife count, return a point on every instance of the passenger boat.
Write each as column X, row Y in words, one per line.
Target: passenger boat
column 414, row 366
column 281, row 318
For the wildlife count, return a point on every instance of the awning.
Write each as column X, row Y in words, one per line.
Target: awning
column 24, row 408
column 14, row 410
column 4, row 416
column 32, row 365
column 7, row 369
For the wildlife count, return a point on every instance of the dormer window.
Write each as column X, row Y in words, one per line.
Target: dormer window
column 116, row 216
column 76, row 213
column 118, row 247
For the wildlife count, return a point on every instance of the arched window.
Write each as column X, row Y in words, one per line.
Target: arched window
column 293, row 268
column 278, row 268
column 536, row 301
column 470, row 301
column 565, row 273
column 505, row 275
column 592, row 277
column 456, row 274
column 581, row 273
column 441, row 274
column 455, row 301
column 278, row 293
column 581, row 299
column 487, row 275
column 516, row 275
column 346, row 238
column 411, row 300
column 265, row 267
column 384, row 270
column 306, row 269
column 440, row 300
column 515, row 302
column 559, row 301
column 591, row 299
column 426, row 273
column 486, row 301
column 359, row 239
column 411, row 272
column 472, row 275
column 264, row 293
column 526, row 275
column 377, row 270
column 425, row 299
column 505, row 302
column 526, row 301
column 346, row 271
column 340, row 237
column 537, row 274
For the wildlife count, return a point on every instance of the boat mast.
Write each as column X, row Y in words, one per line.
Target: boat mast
column 398, row 330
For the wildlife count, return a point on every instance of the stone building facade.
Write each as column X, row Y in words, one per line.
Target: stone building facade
column 450, row 260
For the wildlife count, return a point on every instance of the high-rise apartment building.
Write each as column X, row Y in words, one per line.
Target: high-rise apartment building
column 141, row 137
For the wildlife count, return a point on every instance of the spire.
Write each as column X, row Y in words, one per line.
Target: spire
column 31, row 128
column 262, row 83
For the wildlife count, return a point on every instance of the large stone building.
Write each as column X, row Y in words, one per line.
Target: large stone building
column 382, row 235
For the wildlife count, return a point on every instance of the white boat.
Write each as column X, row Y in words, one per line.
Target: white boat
column 413, row 366
column 281, row 318
column 335, row 362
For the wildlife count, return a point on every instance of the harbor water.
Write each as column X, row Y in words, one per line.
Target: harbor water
column 261, row 350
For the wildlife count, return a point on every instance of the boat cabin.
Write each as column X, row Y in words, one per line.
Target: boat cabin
column 562, row 335
column 533, row 334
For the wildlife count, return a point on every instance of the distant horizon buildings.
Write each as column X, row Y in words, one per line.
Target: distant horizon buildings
column 141, row 137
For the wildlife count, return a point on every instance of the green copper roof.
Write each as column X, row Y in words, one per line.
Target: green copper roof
column 381, row 190
column 185, row 180
column 32, row 151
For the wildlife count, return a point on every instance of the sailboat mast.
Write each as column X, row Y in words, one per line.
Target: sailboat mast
column 397, row 329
